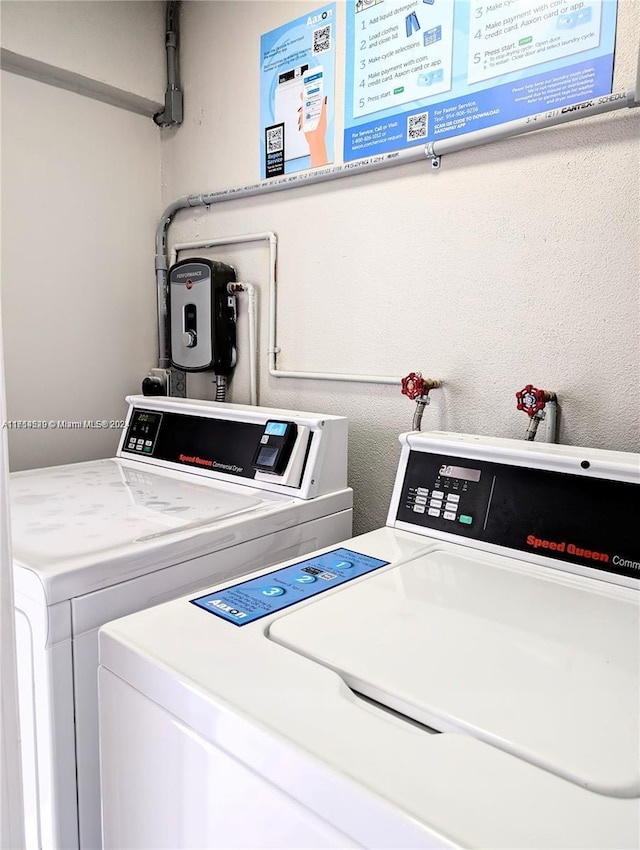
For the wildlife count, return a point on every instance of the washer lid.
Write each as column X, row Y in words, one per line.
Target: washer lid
column 93, row 511
column 543, row 665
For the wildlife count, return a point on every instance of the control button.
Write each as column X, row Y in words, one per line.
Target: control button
column 189, row 339
column 306, row 579
column 341, row 565
column 273, row 591
column 467, row 520
column 139, row 448
column 327, row 576
column 131, row 444
column 451, row 497
column 421, row 500
column 449, row 515
column 437, row 494
column 436, row 503
column 147, row 449
column 434, row 512
column 140, row 442
column 419, row 509
column 148, row 443
column 422, row 491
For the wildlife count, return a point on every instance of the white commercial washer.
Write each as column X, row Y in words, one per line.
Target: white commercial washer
column 198, row 492
column 467, row 676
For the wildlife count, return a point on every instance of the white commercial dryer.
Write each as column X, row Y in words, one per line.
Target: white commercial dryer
column 199, row 492
column 468, row 676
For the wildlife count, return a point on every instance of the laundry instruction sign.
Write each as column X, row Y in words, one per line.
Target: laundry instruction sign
column 423, row 70
column 297, row 94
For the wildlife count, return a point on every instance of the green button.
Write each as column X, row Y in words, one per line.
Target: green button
column 147, row 449
column 467, row 520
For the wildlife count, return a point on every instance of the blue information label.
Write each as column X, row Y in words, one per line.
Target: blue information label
column 258, row 597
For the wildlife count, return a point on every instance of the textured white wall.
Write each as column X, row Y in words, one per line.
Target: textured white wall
column 515, row 263
column 80, row 200
column 119, row 42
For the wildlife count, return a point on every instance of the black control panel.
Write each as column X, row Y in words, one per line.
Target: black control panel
column 143, row 432
column 276, row 445
column 221, row 445
column 576, row 518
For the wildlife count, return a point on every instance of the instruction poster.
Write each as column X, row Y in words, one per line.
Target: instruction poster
column 297, row 94
column 422, row 70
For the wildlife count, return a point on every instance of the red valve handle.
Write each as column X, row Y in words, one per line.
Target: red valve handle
column 531, row 400
column 413, row 385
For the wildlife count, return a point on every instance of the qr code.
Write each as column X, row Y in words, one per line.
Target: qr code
column 321, row 40
column 275, row 139
column 417, row 126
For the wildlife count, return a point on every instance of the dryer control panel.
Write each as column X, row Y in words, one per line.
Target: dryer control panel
column 576, row 518
column 143, row 432
column 202, row 442
column 286, row 451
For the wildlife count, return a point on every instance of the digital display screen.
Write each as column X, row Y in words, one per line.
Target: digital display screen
column 462, row 472
column 276, row 429
column 267, row 456
column 145, row 423
column 146, row 417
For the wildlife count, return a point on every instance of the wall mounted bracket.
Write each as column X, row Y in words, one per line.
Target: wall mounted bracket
column 433, row 156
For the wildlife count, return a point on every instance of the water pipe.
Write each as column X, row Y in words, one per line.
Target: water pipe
column 172, row 113
column 553, row 117
column 274, row 349
column 252, row 310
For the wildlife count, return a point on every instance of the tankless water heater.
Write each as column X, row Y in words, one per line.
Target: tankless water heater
column 202, row 316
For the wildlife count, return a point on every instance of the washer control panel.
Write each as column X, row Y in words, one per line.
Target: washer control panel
column 570, row 517
column 457, row 494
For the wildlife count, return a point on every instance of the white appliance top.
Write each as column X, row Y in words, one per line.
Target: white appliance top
column 530, row 675
column 86, row 510
column 189, row 479
column 68, row 519
column 483, row 694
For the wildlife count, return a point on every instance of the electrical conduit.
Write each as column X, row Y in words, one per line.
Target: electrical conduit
column 564, row 115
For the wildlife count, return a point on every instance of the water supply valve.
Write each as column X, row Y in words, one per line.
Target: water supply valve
column 533, row 401
column 417, row 388
column 413, row 385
